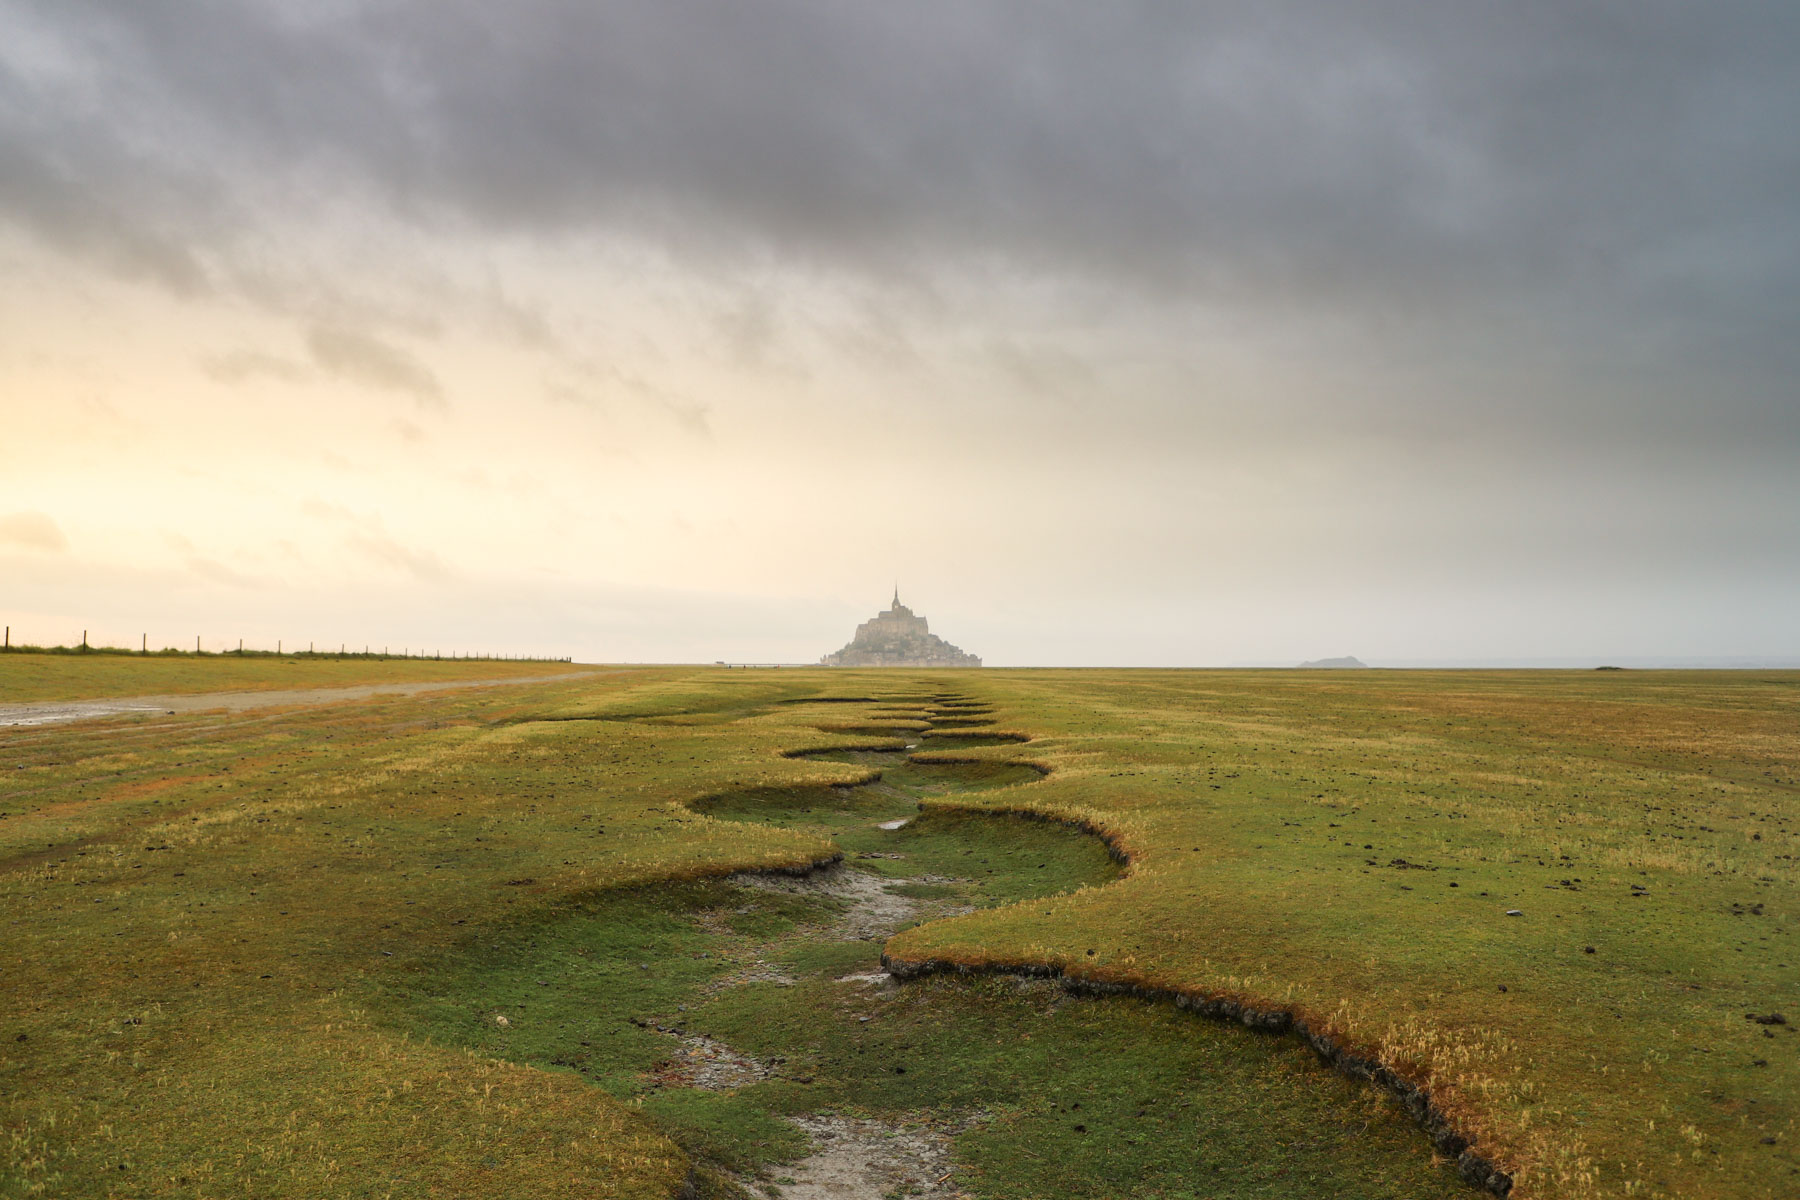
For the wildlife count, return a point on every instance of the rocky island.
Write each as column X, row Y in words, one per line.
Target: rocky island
column 898, row 637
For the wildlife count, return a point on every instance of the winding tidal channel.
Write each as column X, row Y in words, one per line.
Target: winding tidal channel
column 750, row 1016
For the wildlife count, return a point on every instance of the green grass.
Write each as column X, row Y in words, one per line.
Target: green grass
column 191, row 906
column 1077, row 1098
column 1086, row 1099
column 227, row 937
column 1349, row 849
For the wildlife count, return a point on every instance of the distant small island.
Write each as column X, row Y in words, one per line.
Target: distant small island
column 898, row 637
column 1345, row 663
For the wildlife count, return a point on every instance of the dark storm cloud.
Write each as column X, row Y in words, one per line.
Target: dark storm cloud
column 62, row 203
column 1615, row 174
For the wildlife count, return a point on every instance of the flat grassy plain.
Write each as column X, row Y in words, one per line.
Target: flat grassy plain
column 266, row 953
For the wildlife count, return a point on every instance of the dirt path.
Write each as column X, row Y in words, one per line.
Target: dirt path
column 87, row 710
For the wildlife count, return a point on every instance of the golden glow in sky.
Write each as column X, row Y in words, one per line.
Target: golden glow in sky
column 680, row 336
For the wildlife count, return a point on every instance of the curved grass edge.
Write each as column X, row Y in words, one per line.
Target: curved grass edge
column 965, row 759
column 1475, row 1169
column 887, row 747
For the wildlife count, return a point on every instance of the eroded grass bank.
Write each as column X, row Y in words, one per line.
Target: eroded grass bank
column 1348, row 852
column 737, row 1016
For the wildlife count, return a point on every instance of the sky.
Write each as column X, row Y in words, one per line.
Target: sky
column 1131, row 334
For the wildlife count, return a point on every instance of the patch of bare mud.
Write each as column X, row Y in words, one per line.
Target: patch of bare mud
column 707, row 1063
column 879, row 979
column 869, row 1160
column 875, row 913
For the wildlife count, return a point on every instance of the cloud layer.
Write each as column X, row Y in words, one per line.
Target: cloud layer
column 1406, row 288
column 1369, row 146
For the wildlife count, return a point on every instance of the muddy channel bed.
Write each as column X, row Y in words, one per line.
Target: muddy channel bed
column 750, row 1017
